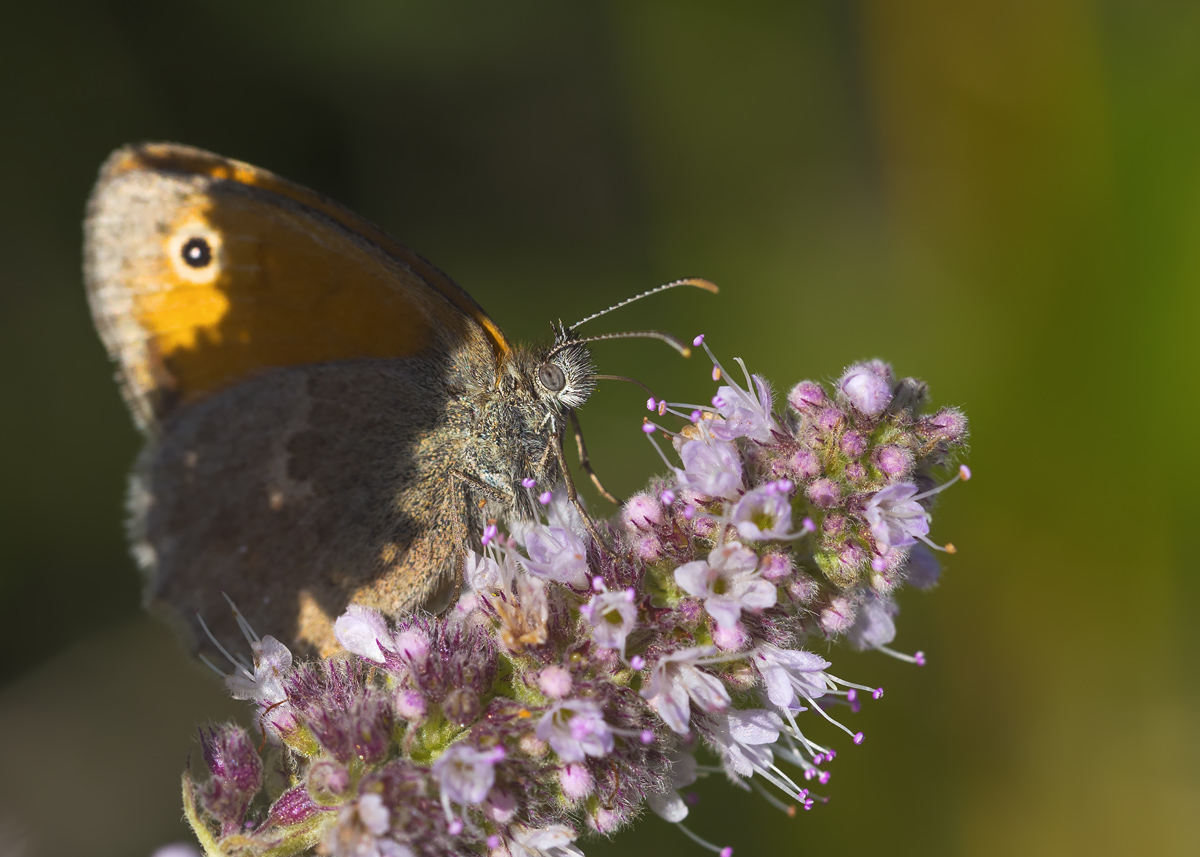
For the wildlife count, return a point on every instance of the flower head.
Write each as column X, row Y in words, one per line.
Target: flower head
column 586, row 670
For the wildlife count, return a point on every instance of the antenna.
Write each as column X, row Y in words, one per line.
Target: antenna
column 690, row 281
column 621, row 378
column 630, row 334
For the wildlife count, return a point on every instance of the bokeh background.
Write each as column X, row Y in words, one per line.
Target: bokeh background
column 1001, row 198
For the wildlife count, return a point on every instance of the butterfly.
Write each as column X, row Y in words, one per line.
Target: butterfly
column 329, row 419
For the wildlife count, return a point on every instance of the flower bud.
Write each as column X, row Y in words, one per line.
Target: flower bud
column 807, row 396
column 328, row 783
column 775, row 567
column 690, row 612
column 910, row 394
column 555, row 681
column 461, row 706
column 824, row 493
column 575, row 781
column 842, row 563
column 892, row 461
column 533, row 746
column 731, row 639
column 855, row 472
column 947, row 425
column 867, row 387
column 293, row 806
column 833, row 526
column 802, row 588
column 853, row 444
column 413, row 643
column 501, row 806
column 410, row 705
column 236, row 770
column 829, row 419
column 838, row 615
column 606, row 820
column 641, row 512
column 649, row 548
column 805, row 464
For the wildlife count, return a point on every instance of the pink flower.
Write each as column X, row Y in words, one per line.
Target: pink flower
column 896, row 519
column 728, row 582
column 765, row 513
column 362, row 631
column 710, row 467
column 677, row 678
column 744, row 414
column 465, row 775
column 611, row 615
column 788, row 673
column 575, row 729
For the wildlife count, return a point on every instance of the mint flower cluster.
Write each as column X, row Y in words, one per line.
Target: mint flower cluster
column 578, row 682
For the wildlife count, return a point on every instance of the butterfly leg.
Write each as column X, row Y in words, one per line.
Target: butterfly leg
column 459, row 482
column 585, row 462
column 573, row 495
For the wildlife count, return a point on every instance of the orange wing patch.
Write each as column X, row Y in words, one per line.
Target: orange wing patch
column 203, row 271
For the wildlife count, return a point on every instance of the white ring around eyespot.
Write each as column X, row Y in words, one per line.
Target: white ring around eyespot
column 185, row 233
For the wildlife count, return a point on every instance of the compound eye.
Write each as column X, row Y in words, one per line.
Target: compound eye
column 552, row 377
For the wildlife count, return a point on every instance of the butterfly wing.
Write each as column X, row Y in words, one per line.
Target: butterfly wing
column 202, row 271
column 302, row 379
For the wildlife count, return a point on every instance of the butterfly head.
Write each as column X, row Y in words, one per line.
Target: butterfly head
column 565, row 375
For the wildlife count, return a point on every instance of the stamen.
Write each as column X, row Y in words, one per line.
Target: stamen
column 964, row 474
column 211, row 665
column 704, row 843
column 857, row 737
column 917, row 658
column 220, row 648
column 242, row 624
column 788, row 809
column 661, row 454
column 946, row 548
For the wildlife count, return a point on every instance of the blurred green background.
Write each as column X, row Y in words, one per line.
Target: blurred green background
column 1001, row 198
